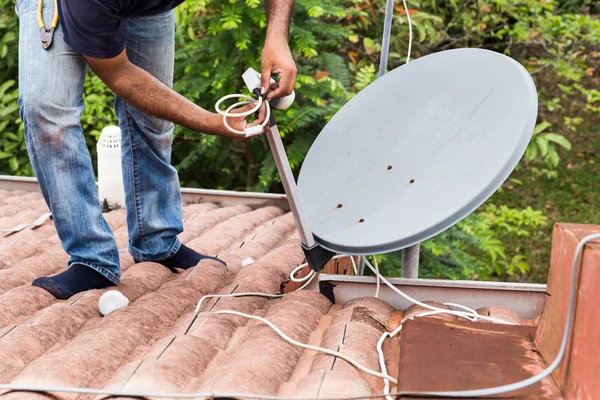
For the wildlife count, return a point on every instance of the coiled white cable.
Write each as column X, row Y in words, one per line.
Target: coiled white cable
column 248, row 132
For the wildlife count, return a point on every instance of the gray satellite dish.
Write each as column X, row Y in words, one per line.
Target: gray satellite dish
column 416, row 151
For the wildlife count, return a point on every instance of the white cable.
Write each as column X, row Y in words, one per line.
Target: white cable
column 309, row 347
column 378, row 277
column 494, row 391
column 299, row 267
column 470, row 310
column 466, row 393
column 386, row 382
column 248, row 294
column 432, row 308
column 248, row 132
column 354, row 267
column 295, row 271
column 410, row 32
column 441, row 311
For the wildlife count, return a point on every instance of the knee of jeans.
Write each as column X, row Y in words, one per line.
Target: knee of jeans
column 46, row 119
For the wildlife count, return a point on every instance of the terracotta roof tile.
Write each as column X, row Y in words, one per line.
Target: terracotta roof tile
column 156, row 343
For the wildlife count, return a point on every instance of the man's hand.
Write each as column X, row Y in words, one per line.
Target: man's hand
column 240, row 123
column 276, row 55
column 276, row 58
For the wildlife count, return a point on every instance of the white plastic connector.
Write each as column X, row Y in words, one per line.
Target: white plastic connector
column 252, row 80
column 254, row 130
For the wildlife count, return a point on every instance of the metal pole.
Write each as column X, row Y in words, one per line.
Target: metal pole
column 410, row 255
column 385, row 42
column 410, row 262
column 289, row 184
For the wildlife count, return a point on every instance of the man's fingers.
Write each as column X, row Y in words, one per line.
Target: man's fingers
column 286, row 84
column 262, row 115
column 265, row 78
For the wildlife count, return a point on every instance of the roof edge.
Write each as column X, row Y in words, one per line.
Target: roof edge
column 223, row 198
column 526, row 299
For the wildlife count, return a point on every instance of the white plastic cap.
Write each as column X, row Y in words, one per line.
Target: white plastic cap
column 110, row 301
column 110, row 177
column 247, row 261
column 281, row 103
column 109, row 143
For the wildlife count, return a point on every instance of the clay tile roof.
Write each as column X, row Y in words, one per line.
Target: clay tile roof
column 155, row 344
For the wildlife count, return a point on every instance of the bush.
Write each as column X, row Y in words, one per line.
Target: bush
column 337, row 47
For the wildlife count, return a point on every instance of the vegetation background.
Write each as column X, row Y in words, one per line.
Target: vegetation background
column 337, row 46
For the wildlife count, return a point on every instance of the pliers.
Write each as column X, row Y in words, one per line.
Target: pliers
column 47, row 34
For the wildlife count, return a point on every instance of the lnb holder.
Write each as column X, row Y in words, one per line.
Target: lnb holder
column 316, row 256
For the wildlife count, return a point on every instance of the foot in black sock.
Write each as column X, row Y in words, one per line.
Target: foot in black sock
column 77, row 278
column 186, row 258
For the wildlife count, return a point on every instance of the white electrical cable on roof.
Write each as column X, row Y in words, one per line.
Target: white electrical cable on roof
column 378, row 277
column 354, row 267
column 299, row 267
column 465, row 393
column 309, row 347
column 494, row 391
column 247, row 294
column 432, row 308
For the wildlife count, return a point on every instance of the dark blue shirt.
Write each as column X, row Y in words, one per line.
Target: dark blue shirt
column 93, row 27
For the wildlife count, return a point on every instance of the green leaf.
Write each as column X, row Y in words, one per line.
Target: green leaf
column 532, row 152
column 559, row 140
column 541, row 126
column 553, row 157
column 13, row 163
column 542, row 143
column 369, row 45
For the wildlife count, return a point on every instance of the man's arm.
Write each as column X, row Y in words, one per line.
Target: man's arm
column 140, row 89
column 276, row 55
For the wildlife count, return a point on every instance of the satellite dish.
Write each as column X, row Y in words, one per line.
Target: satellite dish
column 417, row 151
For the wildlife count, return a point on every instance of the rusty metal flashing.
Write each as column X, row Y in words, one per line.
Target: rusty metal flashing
column 222, row 198
column 460, row 355
column 525, row 299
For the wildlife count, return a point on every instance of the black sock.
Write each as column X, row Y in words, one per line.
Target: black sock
column 77, row 278
column 186, row 258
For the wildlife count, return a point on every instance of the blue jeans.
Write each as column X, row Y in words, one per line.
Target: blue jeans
column 51, row 104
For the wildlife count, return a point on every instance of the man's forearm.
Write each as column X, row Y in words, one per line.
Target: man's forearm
column 140, row 89
column 279, row 14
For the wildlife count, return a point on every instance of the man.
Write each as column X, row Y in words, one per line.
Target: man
column 129, row 44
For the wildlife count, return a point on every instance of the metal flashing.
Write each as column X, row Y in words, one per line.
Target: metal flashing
column 525, row 299
column 222, row 198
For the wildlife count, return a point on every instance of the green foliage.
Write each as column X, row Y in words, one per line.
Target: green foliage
column 544, row 145
column 216, row 41
column 337, row 47
column 472, row 249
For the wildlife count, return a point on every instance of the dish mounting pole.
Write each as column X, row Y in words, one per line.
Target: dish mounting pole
column 410, row 255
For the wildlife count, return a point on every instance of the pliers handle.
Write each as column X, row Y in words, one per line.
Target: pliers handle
column 47, row 33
